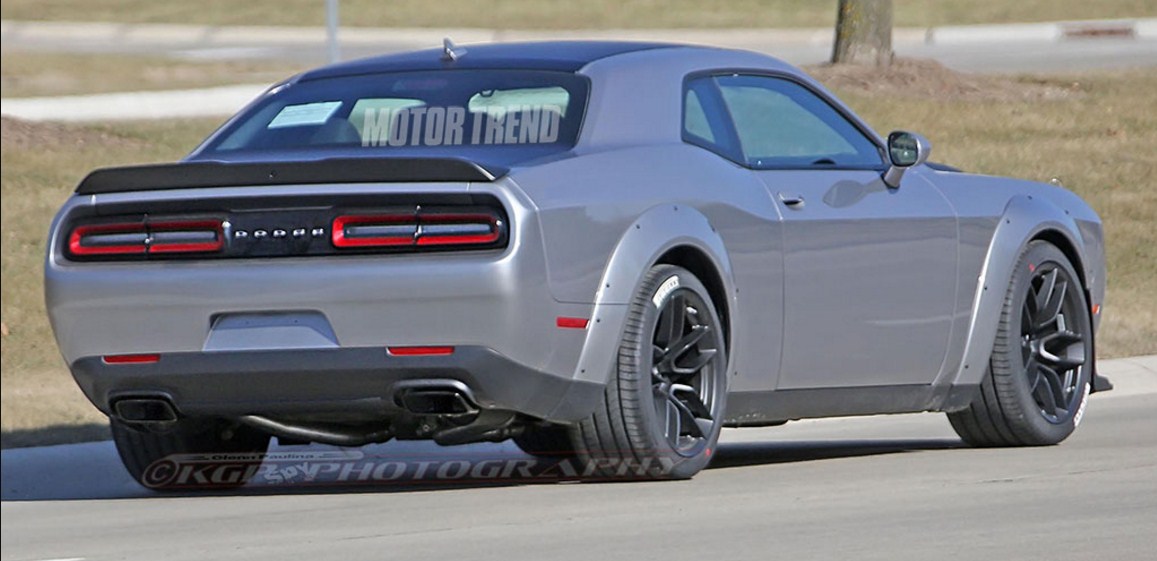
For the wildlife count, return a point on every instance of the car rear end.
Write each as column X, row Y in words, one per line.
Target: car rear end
column 291, row 275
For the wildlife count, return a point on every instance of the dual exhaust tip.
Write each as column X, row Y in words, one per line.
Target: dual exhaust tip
column 424, row 397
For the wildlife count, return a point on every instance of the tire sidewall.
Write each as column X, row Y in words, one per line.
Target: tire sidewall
column 1036, row 255
column 654, row 294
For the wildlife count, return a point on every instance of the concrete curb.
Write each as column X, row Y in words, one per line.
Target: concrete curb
column 16, row 33
column 1130, row 376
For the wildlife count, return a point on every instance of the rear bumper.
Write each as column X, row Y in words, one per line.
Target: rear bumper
column 350, row 381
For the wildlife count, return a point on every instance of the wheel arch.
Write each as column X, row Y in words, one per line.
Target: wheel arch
column 674, row 234
column 1025, row 219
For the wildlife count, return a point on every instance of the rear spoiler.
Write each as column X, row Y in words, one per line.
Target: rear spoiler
column 186, row 175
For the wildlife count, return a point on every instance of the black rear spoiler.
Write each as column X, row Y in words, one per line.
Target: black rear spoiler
column 186, row 175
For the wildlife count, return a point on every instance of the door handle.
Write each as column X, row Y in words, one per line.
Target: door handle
column 791, row 201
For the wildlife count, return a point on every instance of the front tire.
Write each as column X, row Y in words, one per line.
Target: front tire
column 1037, row 383
column 152, row 456
column 662, row 410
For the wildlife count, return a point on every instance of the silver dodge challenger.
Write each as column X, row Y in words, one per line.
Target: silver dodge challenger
column 604, row 249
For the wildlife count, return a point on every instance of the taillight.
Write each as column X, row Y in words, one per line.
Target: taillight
column 147, row 236
column 109, row 239
column 418, row 227
column 374, row 230
column 458, row 229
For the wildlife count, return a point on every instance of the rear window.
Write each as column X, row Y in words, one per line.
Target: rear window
column 510, row 114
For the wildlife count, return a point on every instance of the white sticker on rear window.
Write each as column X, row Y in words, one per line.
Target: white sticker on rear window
column 304, row 114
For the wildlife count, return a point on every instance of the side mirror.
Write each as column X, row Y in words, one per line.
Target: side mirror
column 905, row 149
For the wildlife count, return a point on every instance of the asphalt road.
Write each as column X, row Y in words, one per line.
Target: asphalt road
column 890, row 488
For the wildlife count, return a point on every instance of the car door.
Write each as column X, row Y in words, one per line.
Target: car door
column 870, row 272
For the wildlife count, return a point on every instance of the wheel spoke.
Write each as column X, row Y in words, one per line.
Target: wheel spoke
column 690, row 424
column 1055, row 396
column 1031, row 367
column 685, row 343
column 665, row 409
column 1043, row 293
column 1052, row 309
column 1043, row 395
column 673, row 320
column 696, row 364
column 690, row 397
column 1056, row 350
column 1029, row 311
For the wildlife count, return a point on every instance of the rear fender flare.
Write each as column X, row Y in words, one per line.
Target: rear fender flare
column 654, row 233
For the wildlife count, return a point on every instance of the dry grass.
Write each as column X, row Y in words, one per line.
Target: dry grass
column 24, row 74
column 564, row 14
column 1097, row 132
column 41, row 164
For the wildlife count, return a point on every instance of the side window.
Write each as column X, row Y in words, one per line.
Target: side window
column 695, row 118
column 705, row 120
column 783, row 124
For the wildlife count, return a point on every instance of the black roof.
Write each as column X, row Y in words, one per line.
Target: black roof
column 567, row 56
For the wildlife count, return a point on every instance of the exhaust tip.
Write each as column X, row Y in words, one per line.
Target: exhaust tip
column 144, row 410
column 436, row 402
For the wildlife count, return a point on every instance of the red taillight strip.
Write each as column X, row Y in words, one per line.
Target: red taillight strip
column 188, row 247
column 76, row 238
column 76, row 247
column 420, row 351
column 491, row 221
column 340, row 239
column 131, row 359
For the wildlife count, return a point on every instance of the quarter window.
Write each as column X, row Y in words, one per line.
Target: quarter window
column 781, row 124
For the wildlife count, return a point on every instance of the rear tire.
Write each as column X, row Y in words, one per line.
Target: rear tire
column 143, row 452
column 1036, row 386
column 546, row 441
column 663, row 407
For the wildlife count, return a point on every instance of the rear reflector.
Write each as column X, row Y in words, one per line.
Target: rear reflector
column 572, row 323
column 417, row 227
column 131, row 359
column 420, row 351
column 147, row 236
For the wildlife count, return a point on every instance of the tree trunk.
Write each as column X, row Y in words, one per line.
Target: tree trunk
column 864, row 33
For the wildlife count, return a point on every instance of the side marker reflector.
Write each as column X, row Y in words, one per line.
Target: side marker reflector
column 420, row 351
column 572, row 323
column 131, row 359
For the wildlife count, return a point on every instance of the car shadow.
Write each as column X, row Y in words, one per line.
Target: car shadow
column 744, row 454
column 92, row 471
column 54, row 435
